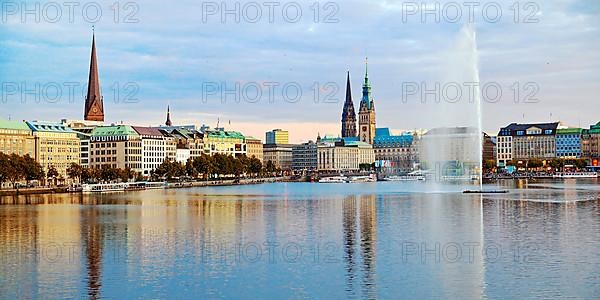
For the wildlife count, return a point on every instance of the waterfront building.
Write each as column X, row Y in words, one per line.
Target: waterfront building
column 117, row 146
column 526, row 142
column 154, row 148
column 396, row 152
column 170, row 146
column 304, row 157
column 16, row 137
column 182, row 155
column 84, row 132
column 254, row 148
column 277, row 136
column 279, row 154
column 488, row 148
column 590, row 145
column 187, row 140
column 503, row 150
column 94, row 103
column 348, row 114
column 568, row 143
column 224, row 142
column 366, row 113
column 55, row 145
column 342, row 155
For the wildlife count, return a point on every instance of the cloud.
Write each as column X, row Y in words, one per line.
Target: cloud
column 170, row 53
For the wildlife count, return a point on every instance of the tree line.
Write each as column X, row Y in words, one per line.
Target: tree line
column 16, row 168
column 104, row 174
column 217, row 165
column 555, row 163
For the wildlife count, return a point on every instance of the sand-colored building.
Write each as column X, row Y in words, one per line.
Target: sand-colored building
column 254, row 147
column 55, row 145
column 16, row 137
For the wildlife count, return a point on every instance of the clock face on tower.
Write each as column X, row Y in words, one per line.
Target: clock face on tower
column 364, row 128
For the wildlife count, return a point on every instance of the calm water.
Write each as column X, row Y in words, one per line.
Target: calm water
column 301, row 240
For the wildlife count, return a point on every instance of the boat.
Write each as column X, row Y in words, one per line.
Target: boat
column 575, row 175
column 155, row 185
column 407, row 177
column 359, row 179
column 334, row 179
column 104, row 187
column 121, row 187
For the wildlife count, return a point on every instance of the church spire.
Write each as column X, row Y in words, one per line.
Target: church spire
column 366, row 71
column 367, row 100
column 348, row 114
column 366, row 112
column 168, row 122
column 94, row 106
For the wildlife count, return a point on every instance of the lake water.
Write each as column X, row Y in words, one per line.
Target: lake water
column 303, row 240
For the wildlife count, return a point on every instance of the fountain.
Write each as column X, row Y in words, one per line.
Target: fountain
column 453, row 151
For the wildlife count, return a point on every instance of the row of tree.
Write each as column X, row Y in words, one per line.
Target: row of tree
column 105, row 174
column 16, row 168
column 218, row 164
column 556, row 163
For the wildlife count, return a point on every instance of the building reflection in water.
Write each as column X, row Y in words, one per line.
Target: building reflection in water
column 92, row 238
column 362, row 233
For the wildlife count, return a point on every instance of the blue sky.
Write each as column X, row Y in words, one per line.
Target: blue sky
column 170, row 52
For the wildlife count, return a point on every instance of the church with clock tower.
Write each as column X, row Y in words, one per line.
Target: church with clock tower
column 366, row 112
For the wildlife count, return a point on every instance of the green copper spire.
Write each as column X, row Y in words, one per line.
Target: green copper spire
column 366, row 94
column 366, row 72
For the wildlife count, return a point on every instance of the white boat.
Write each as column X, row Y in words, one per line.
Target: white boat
column 408, row 177
column 120, row 187
column 575, row 175
column 104, row 187
column 155, row 185
column 334, row 179
column 358, row 179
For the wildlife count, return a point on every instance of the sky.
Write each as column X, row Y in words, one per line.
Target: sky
column 191, row 56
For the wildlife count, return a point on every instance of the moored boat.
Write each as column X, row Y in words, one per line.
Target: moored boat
column 334, row 179
column 120, row 187
column 359, row 179
column 575, row 175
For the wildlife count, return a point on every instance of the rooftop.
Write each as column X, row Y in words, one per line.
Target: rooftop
column 148, row 131
column 569, row 131
column 224, row 134
column 16, row 125
column 118, row 130
column 43, row 126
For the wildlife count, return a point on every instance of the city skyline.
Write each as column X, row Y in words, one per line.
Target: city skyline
column 173, row 75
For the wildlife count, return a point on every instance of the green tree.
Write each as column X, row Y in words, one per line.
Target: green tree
column 74, row 171
column 254, row 165
column 557, row 164
column 16, row 170
column 189, row 168
column 270, row 168
column 108, row 174
column 534, row 164
column 204, row 165
column 52, row 175
column 4, row 168
column 32, row 169
column 126, row 174
column 580, row 163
